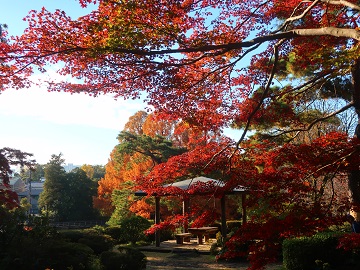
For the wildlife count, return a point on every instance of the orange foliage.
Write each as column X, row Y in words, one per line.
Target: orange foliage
column 119, row 170
column 142, row 208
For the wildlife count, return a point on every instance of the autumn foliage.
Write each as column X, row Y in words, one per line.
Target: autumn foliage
column 265, row 67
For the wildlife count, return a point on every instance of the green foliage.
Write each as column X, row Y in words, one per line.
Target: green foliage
column 114, row 232
column 67, row 196
column 157, row 148
column 312, row 253
column 133, row 229
column 81, row 190
column 9, row 225
column 63, row 255
column 123, row 258
column 53, row 198
column 72, row 235
column 12, row 157
column 99, row 172
column 38, row 246
column 120, row 199
column 35, row 174
column 95, row 239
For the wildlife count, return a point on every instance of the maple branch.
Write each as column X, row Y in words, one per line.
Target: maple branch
column 343, row 3
column 340, row 159
column 325, row 31
column 263, row 96
column 291, row 19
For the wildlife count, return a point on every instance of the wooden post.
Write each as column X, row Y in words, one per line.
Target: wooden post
column 243, row 207
column 223, row 217
column 185, row 213
column 157, row 220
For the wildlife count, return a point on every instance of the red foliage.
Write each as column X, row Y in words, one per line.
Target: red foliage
column 350, row 241
column 187, row 57
column 283, row 198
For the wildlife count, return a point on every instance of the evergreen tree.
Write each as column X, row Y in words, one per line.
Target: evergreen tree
column 67, row 196
column 53, row 199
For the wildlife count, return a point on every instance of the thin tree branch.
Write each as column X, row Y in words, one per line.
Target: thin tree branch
column 346, row 107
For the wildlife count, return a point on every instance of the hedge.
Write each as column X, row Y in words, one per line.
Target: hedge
column 314, row 253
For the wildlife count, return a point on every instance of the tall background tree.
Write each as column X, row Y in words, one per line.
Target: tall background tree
column 144, row 143
column 67, row 196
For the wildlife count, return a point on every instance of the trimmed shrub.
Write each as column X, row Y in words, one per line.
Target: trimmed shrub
column 115, row 232
column 313, row 253
column 72, row 235
column 123, row 258
column 65, row 255
column 133, row 229
column 49, row 254
column 98, row 243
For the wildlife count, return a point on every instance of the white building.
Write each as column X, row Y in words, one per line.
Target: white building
column 69, row 167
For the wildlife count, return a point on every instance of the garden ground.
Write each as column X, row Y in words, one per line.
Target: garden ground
column 170, row 256
column 193, row 260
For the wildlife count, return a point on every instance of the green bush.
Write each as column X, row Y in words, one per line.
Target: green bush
column 94, row 238
column 65, row 255
column 313, row 253
column 133, row 229
column 115, row 232
column 98, row 243
column 123, row 258
column 52, row 253
column 72, row 235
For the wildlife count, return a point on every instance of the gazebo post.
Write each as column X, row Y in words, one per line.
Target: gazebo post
column 186, row 203
column 223, row 217
column 157, row 220
column 243, row 207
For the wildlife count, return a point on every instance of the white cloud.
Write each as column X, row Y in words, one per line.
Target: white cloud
column 64, row 108
column 81, row 127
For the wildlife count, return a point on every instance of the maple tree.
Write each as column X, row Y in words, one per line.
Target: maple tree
column 216, row 64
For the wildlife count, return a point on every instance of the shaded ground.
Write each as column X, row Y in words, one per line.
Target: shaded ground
column 190, row 255
column 192, row 260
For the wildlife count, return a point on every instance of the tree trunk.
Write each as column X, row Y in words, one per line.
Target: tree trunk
column 354, row 176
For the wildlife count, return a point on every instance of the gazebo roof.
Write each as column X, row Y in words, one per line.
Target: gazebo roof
column 189, row 183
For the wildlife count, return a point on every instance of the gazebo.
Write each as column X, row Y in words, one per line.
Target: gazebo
column 187, row 185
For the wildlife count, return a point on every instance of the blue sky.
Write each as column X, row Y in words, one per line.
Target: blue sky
column 83, row 128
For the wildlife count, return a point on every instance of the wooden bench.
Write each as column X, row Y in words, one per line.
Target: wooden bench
column 182, row 237
column 203, row 231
